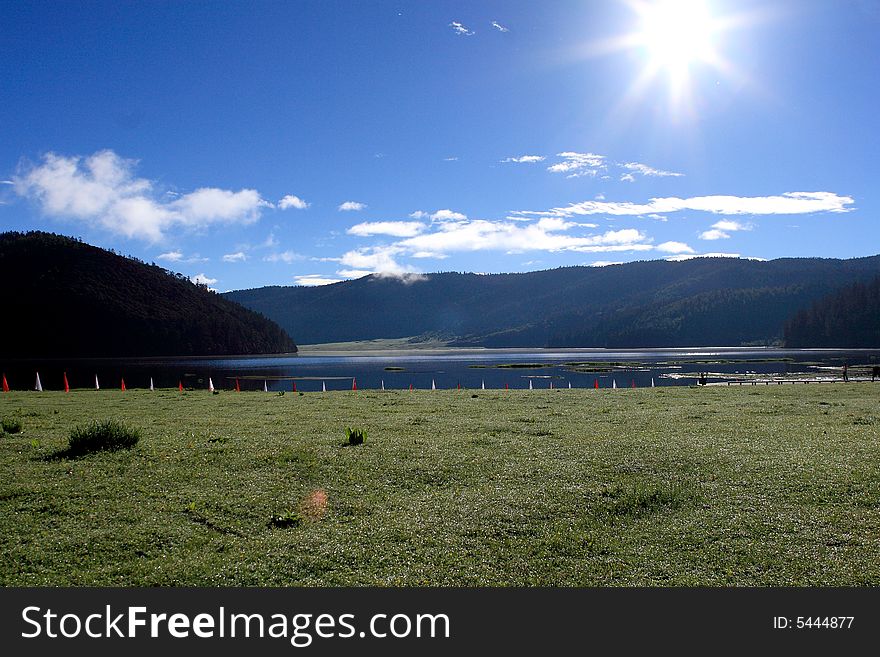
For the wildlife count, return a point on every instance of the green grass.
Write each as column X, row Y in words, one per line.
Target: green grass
column 650, row 487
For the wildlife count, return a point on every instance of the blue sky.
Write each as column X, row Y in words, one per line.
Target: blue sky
column 290, row 143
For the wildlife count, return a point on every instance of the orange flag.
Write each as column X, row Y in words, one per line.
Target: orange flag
column 66, row 386
column 5, row 385
column 122, row 387
column 294, row 386
column 180, row 386
column 354, row 383
column 596, row 383
column 237, row 387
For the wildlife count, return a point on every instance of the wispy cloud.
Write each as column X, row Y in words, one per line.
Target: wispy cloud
column 627, row 177
column 787, row 203
column 645, row 170
column 721, row 230
column 460, row 29
column 451, row 159
column 604, row 263
column 498, row 26
column 285, row 256
column 291, row 201
column 392, row 228
column 102, row 190
column 479, row 235
column 578, row 164
column 525, row 159
column 351, row 206
column 170, row 256
column 239, row 256
column 313, row 280
column 178, row 256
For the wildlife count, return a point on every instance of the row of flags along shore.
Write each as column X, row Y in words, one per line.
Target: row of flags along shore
column 38, row 386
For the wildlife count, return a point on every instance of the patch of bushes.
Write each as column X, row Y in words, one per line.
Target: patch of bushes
column 10, row 425
column 355, row 435
column 286, row 520
column 106, row 436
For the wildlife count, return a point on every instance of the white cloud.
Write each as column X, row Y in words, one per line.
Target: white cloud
column 201, row 279
column 171, row 256
column 377, row 259
column 351, row 206
column 419, row 214
column 354, row 273
column 291, row 201
column 450, row 159
column 479, row 235
column 578, row 164
column 604, row 263
column 447, row 215
column 499, row 27
column 460, row 29
column 627, row 177
column 393, row 228
column 286, row 257
column 313, row 280
column 525, row 159
column 787, row 203
column 645, row 170
column 102, row 190
column 728, row 224
column 721, row 229
column 674, row 247
column 239, row 256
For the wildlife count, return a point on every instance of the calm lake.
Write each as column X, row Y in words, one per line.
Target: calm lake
column 495, row 368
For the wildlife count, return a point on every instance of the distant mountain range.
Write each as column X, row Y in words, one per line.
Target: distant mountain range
column 697, row 302
column 850, row 316
column 61, row 297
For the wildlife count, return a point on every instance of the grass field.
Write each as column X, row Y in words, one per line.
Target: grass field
column 668, row 486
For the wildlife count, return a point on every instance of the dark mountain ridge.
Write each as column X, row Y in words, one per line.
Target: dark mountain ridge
column 697, row 302
column 62, row 297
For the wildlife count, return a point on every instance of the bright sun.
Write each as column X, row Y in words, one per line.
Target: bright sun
column 676, row 33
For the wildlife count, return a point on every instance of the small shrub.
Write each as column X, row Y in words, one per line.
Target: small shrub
column 355, row 436
column 285, row 520
column 109, row 435
column 10, row 425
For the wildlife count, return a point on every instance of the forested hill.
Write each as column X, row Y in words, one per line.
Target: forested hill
column 703, row 301
column 849, row 317
column 61, row 297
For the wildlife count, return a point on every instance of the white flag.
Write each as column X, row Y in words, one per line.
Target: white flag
column 652, row 381
column 483, row 384
column 530, row 385
column 613, row 383
column 210, row 384
column 383, row 384
column 569, row 385
column 323, row 387
column 39, row 386
column 433, row 387
column 151, row 383
column 265, row 386
column 97, row 385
